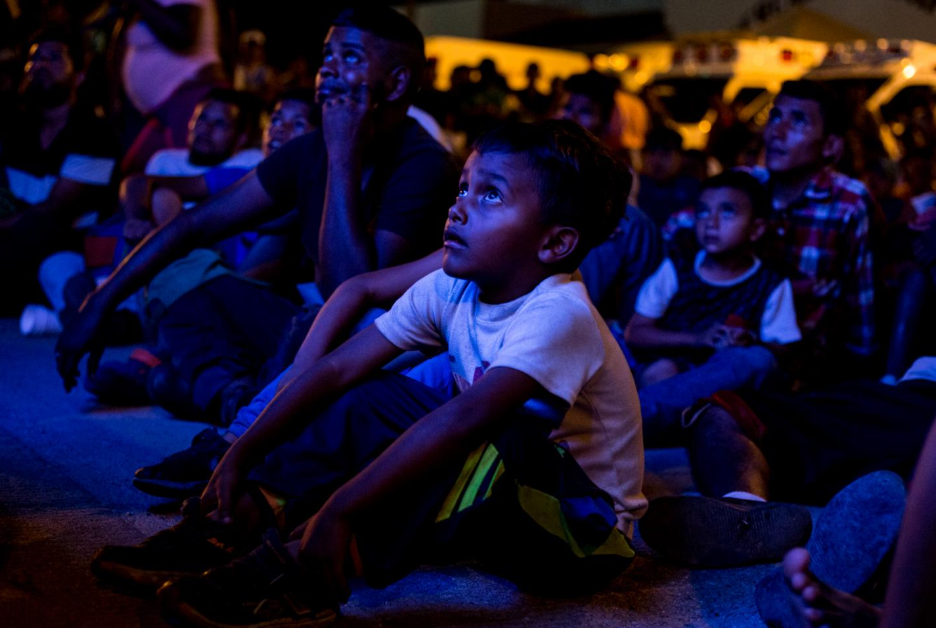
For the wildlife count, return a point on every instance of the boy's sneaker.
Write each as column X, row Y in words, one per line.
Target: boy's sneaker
column 184, row 473
column 726, row 532
column 265, row 588
column 190, row 547
column 854, row 533
column 123, row 383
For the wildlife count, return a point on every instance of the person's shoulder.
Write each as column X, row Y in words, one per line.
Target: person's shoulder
column 844, row 184
column 166, row 159
column 415, row 140
column 247, row 158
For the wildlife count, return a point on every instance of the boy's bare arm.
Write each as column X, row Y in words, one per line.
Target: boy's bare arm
column 309, row 392
column 445, row 435
column 642, row 332
column 352, row 299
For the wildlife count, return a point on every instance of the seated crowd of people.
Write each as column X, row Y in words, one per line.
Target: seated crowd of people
column 485, row 354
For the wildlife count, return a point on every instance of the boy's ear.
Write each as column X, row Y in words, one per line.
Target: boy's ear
column 398, row 82
column 560, row 242
column 832, row 148
column 758, row 227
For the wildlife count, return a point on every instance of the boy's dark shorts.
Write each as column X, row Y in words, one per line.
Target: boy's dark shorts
column 520, row 503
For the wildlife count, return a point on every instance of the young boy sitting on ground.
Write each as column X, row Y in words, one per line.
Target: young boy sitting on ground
column 704, row 323
column 535, row 467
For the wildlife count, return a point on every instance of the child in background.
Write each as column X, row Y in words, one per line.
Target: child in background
column 535, row 466
column 706, row 323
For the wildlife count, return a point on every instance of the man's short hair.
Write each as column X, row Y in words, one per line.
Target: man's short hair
column 663, row 138
column 581, row 184
column 596, row 87
column 743, row 182
column 60, row 35
column 830, row 106
column 394, row 28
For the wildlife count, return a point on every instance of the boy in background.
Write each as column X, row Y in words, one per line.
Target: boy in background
column 705, row 321
column 544, row 435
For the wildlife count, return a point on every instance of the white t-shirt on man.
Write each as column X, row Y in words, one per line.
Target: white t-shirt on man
column 554, row 335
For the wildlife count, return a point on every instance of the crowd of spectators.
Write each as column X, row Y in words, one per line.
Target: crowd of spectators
column 236, row 221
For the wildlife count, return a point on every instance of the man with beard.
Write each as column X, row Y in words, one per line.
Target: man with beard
column 57, row 161
column 370, row 187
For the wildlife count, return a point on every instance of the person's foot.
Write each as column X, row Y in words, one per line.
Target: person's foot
column 184, row 473
column 853, row 535
column 710, row 532
column 123, row 383
column 265, row 588
column 821, row 605
column 168, row 390
column 190, row 547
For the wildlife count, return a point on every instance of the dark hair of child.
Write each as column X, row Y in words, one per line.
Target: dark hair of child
column 581, row 184
column 596, row 87
column 834, row 120
column 663, row 138
column 744, row 182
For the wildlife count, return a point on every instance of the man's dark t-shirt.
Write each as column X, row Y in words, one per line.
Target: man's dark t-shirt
column 410, row 182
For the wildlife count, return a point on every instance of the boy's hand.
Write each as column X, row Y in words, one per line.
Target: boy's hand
column 715, row 337
column 82, row 335
column 324, row 550
column 223, row 488
column 348, row 123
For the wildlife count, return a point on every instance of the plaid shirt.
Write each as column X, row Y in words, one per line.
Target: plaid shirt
column 824, row 235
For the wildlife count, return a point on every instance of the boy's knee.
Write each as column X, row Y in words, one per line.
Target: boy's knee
column 752, row 363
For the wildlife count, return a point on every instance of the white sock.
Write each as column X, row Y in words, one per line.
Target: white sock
column 751, row 497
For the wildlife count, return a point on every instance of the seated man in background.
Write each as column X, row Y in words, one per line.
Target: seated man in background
column 58, row 161
column 370, row 188
column 818, row 232
column 664, row 188
column 615, row 269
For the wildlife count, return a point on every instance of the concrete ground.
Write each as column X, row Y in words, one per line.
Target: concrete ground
column 65, row 490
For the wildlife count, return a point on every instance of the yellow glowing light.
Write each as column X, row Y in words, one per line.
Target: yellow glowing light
column 909, row 70
column 618, row 62
column 705, row 126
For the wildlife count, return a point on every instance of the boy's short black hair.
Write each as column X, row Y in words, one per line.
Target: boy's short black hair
column 663, row 138
column 394, row 28
column 596, row 87
column 306, row 96
column 834, row 120
column 581, row 184
column 743, row 182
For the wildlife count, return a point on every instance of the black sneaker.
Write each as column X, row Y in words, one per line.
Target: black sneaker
column 709, row 532
column 121, row 384
column 190, row 547
column 184, row 473
column 265, row 588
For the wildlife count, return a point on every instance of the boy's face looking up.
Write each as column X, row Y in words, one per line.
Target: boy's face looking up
column 214, row 134
column 794, row 138
column 494, row 233
column 725, row 221
column 289, row 120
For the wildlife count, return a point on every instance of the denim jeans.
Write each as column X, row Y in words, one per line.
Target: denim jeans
column 661, row 404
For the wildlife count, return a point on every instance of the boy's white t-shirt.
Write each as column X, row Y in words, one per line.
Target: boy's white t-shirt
column 554, row 335
column 778, row 322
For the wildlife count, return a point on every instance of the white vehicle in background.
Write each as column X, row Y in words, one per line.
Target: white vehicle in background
column 745, row 73
column 896, row 78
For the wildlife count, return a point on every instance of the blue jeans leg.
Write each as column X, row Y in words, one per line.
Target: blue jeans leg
column 661, row 404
